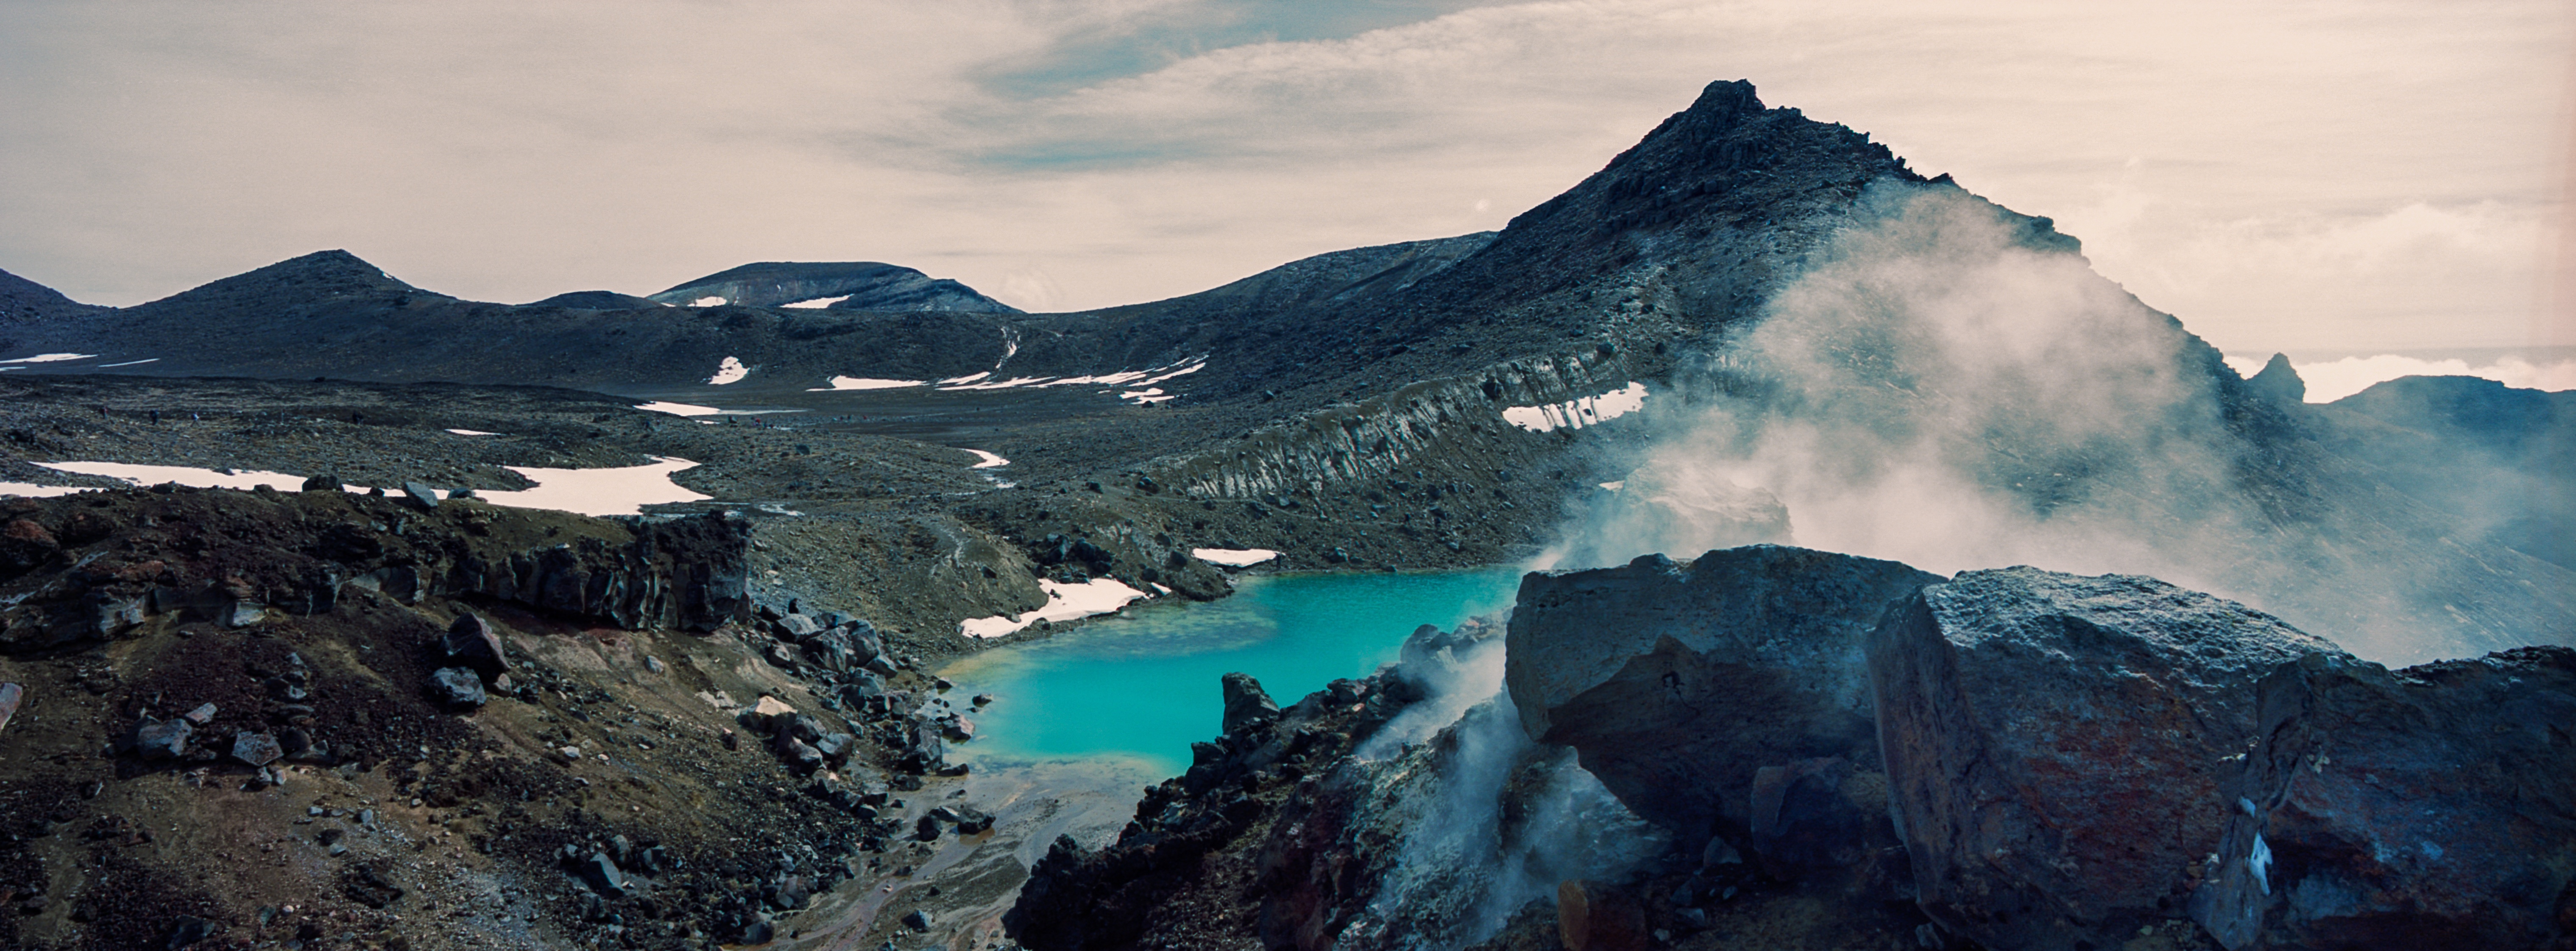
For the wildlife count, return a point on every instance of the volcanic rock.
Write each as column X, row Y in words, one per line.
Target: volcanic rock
column 1817, row 814
column 769, row 713
column 256, row 749
column 2433, row 806
column 797, row 627
column 1246, row 704
column 602, row 874
column 471, row 642
column 162, row 739
column 1676, row 681
column 2059, row 747
column 1592, row 916
column 457, row 687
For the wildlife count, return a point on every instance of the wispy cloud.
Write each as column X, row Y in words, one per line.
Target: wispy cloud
column 2228, row 162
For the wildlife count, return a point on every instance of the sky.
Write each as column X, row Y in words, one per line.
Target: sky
column 2339, row 180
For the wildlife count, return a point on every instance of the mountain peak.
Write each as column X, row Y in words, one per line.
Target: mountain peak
column 332, row 273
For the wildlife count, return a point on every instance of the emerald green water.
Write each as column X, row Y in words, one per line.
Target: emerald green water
column 1144, row 687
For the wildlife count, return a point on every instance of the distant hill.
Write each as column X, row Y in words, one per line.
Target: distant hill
column 2497, row 456
column 594, row 300
column 26, row 303
column 855, row 285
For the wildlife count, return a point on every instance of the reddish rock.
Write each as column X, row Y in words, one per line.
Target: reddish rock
column 2431, row 807
column 2058, row 747
column 1591, row 916
column 25, row 544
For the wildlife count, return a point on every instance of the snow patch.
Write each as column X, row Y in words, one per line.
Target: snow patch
column 730, row 371
column 34, row 491
column 1148, row 396
column 51, row 358
column 619, row 491
column 864, row 383
column 129, row 363
column 989, row 460
column 1108, row 379
column 678, row 409
column 999, row 384
column 184, row 475
column 817, row 303
column 968, row 378
column 1616, row 485
column 1233, row 557
column 1193, row 367
column 472, row 432
column 1579, row 412
column 707, row 302
column 1065, row 602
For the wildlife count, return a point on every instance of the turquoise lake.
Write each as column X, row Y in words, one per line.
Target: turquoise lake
column 1143, row 687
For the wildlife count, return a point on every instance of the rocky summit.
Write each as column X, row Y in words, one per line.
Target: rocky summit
column 339, row 612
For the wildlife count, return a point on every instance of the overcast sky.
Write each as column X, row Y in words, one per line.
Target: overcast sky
column 2323, row 178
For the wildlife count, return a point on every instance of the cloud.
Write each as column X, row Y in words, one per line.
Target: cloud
column 1116, row 152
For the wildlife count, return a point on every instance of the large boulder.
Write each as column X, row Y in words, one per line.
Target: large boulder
column 1677, row 682
column 471, row 642
column 2059, row 748
column 2432, row 807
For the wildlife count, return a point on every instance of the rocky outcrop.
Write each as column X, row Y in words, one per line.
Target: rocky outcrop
column 127, row 557
column 1680, row 683
column 1247, row 706
column 2430, row 807
column 2060, row 748
column 1378, row 436
column 1265, row 775
column 1276, row 799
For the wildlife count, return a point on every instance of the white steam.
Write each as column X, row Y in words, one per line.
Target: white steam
column 1945, row 387
column 1491, row 821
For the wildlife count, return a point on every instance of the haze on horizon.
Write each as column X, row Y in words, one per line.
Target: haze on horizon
column 2329, row 180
